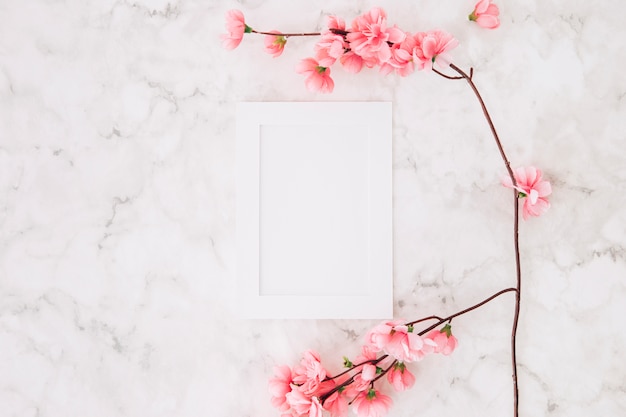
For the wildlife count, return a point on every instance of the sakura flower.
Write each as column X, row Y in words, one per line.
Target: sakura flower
column 369, row 372
column 485, row 14
column 336, row 23
column 317, row 77
column 371, row 403
column 303, row 405
column 400, row 377
column 445, row 342
column 532, row 189
column 280, row 386
column 310, row 373
column 236, row 27
column 329, row 48
column 432, row 47
column 370, row 36
column 275, row 44
column 351, row 62
column 337, row 404
column 399, row 341
column 401, row 60
column 367, row 354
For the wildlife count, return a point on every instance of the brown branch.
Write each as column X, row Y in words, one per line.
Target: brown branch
column 518, row 268
column 449, row 77
column 467, row 310
column 286, row 35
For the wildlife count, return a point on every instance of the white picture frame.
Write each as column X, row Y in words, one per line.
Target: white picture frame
column 314, row 210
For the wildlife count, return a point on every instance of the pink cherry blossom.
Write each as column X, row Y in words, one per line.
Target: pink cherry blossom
column 336, row 22
column 395, row 339
column 317, row 77
column 401, row 60
column 371, row 403
column 432, row 47
column 304, row 405
column 280, row 386
column 337, row 404
column 532, row 189
column 369, row 372
column 444, row 340
column 357, row 386
column 370, row 36
column 400, row 377
column 310, row 373
column 351, row 62
column 275, row 44
column 236, row 27
column 485, row 14
column 329, row 48
column 367, row 354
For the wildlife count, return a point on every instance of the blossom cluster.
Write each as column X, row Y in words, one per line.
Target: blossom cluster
column 308, row 389
column 369, row 42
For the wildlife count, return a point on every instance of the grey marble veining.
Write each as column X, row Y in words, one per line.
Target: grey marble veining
column 117, row 161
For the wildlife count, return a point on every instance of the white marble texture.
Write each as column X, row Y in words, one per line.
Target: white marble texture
column 117, row 164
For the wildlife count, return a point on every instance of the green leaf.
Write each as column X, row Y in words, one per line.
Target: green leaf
column 347, row 363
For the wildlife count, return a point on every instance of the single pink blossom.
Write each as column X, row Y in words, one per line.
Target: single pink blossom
column 351, row 62
column 357, row 386
column 444, row 340
column 367, row 354
column 485, row 14
column 400, row 377
column 532, row 189
column 432, row 47
column 236, row 27
column 275, row 44
column 401, row 60
column 317, row 77
column 310, row 373
column 368, row 372
column 329, row 48
column 337, row 404
column 370, row 36
column 398, row 341
column 303, row 405
column 280, row 386
column 371, row 403
column 336, row 23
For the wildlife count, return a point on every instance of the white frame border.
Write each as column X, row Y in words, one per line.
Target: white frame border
column 377, row 303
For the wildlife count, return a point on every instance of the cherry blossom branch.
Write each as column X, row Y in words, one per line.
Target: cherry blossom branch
column 423, row 332
column 518, row 269
column 371, row 42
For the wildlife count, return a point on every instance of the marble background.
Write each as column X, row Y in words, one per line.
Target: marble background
column 117, row 247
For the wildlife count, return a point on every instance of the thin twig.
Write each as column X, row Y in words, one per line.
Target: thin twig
column 449, row 77
column 467, row 310
column 286, row 35
column 489, row 121
column 424, row 319
column 518, row 268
